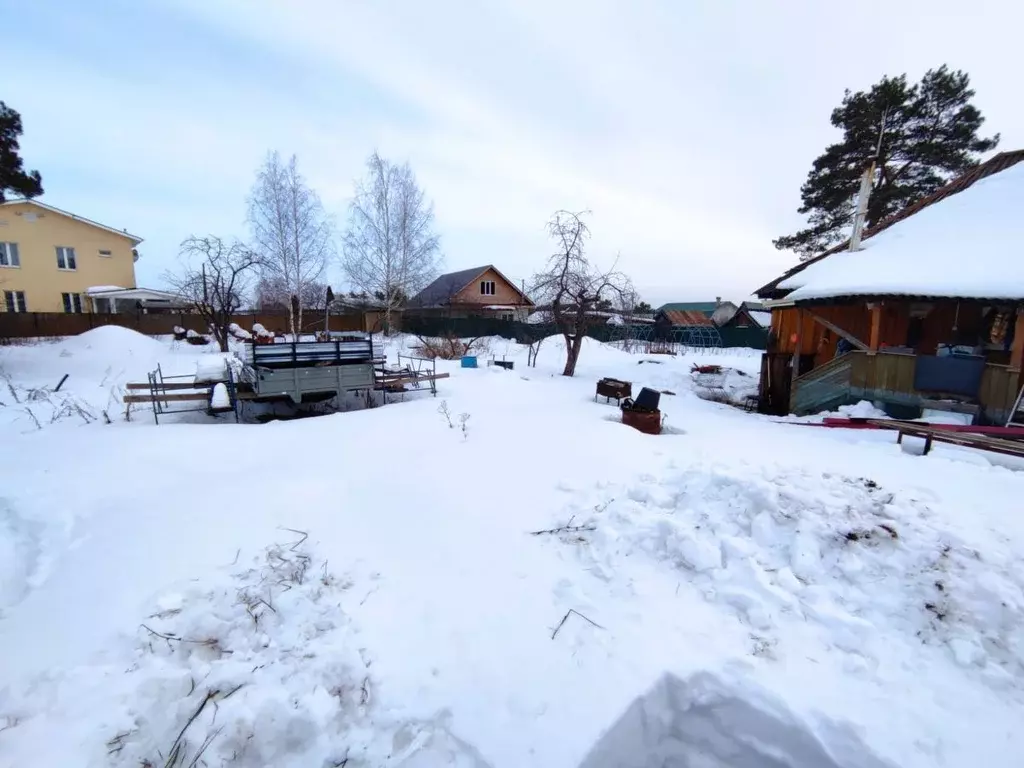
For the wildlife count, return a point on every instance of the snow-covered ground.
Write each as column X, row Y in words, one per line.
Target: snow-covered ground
column 523, row 582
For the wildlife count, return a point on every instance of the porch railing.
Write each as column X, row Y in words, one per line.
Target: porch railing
column 825, row 386
column 889, row 377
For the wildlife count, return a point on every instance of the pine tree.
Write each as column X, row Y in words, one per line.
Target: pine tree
column 929, row 135
column 12, row 177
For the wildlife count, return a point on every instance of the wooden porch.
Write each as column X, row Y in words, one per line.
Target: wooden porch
column 889, row 377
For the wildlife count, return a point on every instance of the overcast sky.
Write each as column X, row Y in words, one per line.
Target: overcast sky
column 686, row 128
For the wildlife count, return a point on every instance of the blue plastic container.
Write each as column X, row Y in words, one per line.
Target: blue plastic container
column 469, row 361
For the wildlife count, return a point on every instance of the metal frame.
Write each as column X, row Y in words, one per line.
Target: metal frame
column 419, row 370
column 697, row 336
column 163, row 385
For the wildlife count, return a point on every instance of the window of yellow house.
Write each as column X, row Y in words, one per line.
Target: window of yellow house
column 9, row 255
column 14, row 301
column 72, row 303
column 66, row 258
column 106, row 254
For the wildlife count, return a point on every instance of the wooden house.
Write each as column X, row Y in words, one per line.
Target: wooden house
column 749, row 315
column 477, row 292
column 927, row 313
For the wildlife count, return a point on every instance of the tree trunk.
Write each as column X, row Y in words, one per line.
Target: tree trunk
column 220, row 333
column 572, row 353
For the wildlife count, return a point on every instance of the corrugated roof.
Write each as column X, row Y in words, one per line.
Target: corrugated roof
column 1000, row 162
column 687, row 317
column 707, row 307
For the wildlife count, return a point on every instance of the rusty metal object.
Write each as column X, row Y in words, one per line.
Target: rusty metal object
column 648, row 422
column 614, row 388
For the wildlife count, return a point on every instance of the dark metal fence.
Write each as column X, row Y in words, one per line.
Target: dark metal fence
column 524, row 333
column 33, row 324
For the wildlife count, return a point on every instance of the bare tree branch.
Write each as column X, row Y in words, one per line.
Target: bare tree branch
column 213, row 280
column 390, row 249
column 573, row 287
column 290, row 231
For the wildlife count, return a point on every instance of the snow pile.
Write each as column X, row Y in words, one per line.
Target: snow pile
column 723, row 384
column 864, row 409
column 986, row 215
column 211, row 368
column 837, row 553
column 113, row 341
column 708, row 722
column 239, row 332
column 261, row 332
column 219, row 398
column 255, row 666
column 258, row 667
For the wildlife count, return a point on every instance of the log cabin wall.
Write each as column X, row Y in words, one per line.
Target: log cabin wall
column 898, row 327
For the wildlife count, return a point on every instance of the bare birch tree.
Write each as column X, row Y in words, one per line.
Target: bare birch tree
column 271, row 293
column 573, row 287
column 214, row 279
column 390, row 249
column 291, row 231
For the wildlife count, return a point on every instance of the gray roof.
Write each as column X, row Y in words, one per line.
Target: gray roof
column 441, row 291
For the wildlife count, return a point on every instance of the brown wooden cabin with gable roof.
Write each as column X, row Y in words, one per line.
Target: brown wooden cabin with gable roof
column 888, row 325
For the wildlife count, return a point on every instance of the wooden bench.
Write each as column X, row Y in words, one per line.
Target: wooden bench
column 964, row 439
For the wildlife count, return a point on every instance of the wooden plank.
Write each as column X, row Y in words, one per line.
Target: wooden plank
column 838, row 331
column 169, row 385
column 385, row 381
column 1017, row 350
column 875, row 337
column 796, row 351
column 964, row 439
column 174, row 397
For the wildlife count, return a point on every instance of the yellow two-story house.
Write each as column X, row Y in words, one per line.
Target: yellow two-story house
column 55, row 261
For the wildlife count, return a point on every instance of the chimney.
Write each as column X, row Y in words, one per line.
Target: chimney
column 861, row 212
column 862, row 207
column 718, row 301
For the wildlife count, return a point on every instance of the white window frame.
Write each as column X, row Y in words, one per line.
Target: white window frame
column 12, row 297
column 9, row 255
column 63, row 254
column 484, row 285
column 105, row 254
column 72, row 303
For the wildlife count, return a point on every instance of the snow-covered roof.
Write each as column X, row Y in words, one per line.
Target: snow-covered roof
column 93, row 290
column 966, row 243
column 762, row 318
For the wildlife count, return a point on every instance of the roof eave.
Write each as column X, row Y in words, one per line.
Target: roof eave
column 135, row 239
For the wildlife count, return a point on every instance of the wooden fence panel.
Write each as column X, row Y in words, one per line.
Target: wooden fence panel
column 26, row 325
